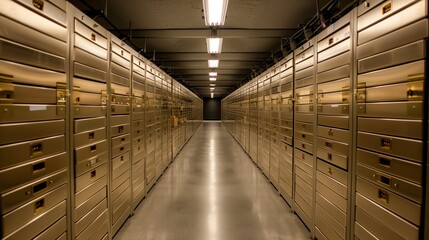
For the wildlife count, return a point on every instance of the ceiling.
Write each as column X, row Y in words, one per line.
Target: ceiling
column 172, row 33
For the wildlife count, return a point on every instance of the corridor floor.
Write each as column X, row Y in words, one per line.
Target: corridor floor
column 213, row 191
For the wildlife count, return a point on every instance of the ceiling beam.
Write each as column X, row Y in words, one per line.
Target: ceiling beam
column 224, row 56
column 205, row 33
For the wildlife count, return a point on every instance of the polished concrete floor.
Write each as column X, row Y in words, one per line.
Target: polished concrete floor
column 213, row 191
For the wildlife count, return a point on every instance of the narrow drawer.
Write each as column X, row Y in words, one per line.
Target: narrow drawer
column 332, row 196
column 334, row 134
column 86, row 193
column 120, row 165
column 341, row 47
column 120, row 109
column 332, row 184
column 117, row 130
column 31, row 171
column 393, row 222
column 90, row 163
column 334, row 146
column 409, row 91
column 88, row 111
column 339, row 215
column 24, row 194
column 304, row 127
column 332, row 98
column 410, row 109
column 90, row 177
column 333, row 109
column 407, row 128
column 24, row 94
column 17, row 153
column 55, row 231
column 333, row 121
column 304, row 136
column 84, row 125
column 301, row 65
column 91, row 34
column 33, row 228
column 90, row 151
column 90, row 203
column 334, row 62
column 408, row 170
column 329, row 225
column 368, row 225
column 307, row 147
column 120, row 145
column 90, row 217
column 395, row 146
column 397, row 185
column 30, row 112
column 335, row 173
column 395, row 203
column 95, row 227
column 85, row 138
column 29, row 212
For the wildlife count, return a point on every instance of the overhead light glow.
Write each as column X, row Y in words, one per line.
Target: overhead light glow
column 212, row 79
column 213, row 63
column 212, row 94
column 212, row 89
column 215, row 12
column 212, row 84
column 214, row 45
column 212, row 74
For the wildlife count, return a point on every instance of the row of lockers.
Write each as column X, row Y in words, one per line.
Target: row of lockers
column 87, row 124
column 339, row 126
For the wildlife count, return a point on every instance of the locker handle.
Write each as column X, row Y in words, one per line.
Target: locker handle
column 330, row 156
column 330, row 41
column 386, row 143
column 385, row 180
column 36, row 149
column 93, row 148
column 38, row 4
column 122, row 158
column 123, row 139
column 120, row 129
column 121, row 149
column 39, row 205
column 39, row 187
column 386, row 8
column 91, row 135
column 93, row 161
column 328, row 144
column 383, row 196
column 384, row 162
column 94, row 174
column 38, row 167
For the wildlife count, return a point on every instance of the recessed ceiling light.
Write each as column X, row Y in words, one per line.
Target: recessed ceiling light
column 211, row 94
column 212, row 84
column 212, row 79
column 214, row 45
column 215, row 12
column 212, row 74
column 213, row 63
column 212, row 89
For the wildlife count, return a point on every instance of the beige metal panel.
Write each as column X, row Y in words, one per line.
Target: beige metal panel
column 334, row 146
column 411, row 91
column 328, row 224
column 87, row 192
column 304, row 73
column 333, row 172
column 390, row 220
column 332, row 196
column 33, row 228
column 334, row 134
column 95, row 227
column 88, row 111
column 90, row 203
column 90, row 54
column 84, row 71
column 396, row 127
column 120, row 145
column 410, row 52
column 334, row 74
column 362, row 233
column 64, row 237
column 84, row 166
column 83, row 125
column 120, row 90
column 400, row 147
column 333, row 184
column 303, row 209
column 398, row 185
column 393, row 18
column 373, row 227
column 333, row 121
column 402, row 36
column 391, row 109
column 31, row 171
column 90, row 151
column 121, row 219
column 55, row 231
column 88, row 137
column 90, row 30
column 308, row 179
column 122, row 187
column 30, row 211
column 121, row 179
column 411, row 171
column 333, row 62
column 119, row 109
column 121, row 205
column 30, row 112
column 395, row 203
column 90, row 177
column 333, row 210
column 334, row 86
column 90, row 217
column 307, row 147
column 333, row 158
column 337, row 49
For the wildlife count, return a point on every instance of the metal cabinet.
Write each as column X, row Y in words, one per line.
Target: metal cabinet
column 33, row 114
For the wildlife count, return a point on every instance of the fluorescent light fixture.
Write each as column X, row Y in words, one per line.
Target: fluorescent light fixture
column 215, row 12
column 214, row 45
column 212, row 89
column 212, row 79
column 211, row 94
column 212, row 74
column 212, row 84
column 213, row 63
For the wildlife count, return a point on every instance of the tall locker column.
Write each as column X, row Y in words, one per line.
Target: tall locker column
column 157, row 124
column 260, row 82
column 253, row 120
column 304, row 124
column 267, row 131
column 333, row 130
column 391, row 63
column 88, row 62
column 170, row 122
column 120, row 133
column 275, row 125
column 286, row 130
column 150, row 127
column 138, row 129
column 33, row 128
column 164, row 120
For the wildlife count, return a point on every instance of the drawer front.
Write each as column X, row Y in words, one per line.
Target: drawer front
column 334, row 146
column 333, row 158
column 395, row 203
column 395, row 146
column 17, row 197
column 90, row 177
column 407, row 128
column 86, row 193
column 391, row 110
column 335, row 38
column 334, row 134
column 333, row 121
column 371, row 226
column 394, row 184
column 333, row 109
column 120, row 129
column 334, row 86
column 17, row 153
column 90, row 203
column 123, row 167
column 91, row 34
column 392, row 221
column 409, row 91
column 88, row 111
column 83, row 125
column 339, row 215
column 90, row 163
column 335, row 97
column 332, row 196
column 90, row 217
column 408, row 170
column 339, row 48
column 90, row 151
column 31, row 171
column 304, row 146
column 328, row 225
column 56, row 231
column 30, row 112
column 85, row 138
column 333, row 172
